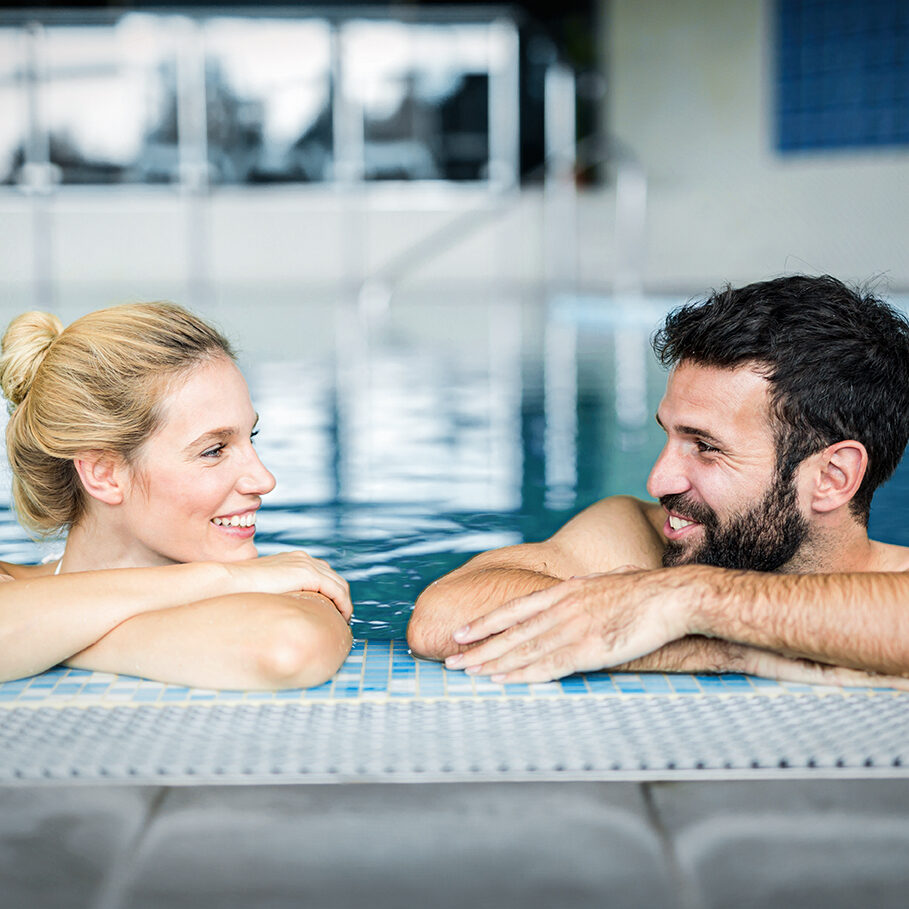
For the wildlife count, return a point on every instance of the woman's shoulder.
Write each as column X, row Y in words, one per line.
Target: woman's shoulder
column 10, row 571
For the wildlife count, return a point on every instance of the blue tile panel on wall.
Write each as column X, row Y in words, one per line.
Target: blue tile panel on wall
column 842, row 74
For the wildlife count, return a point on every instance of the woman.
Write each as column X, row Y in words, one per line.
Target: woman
column 132, row 431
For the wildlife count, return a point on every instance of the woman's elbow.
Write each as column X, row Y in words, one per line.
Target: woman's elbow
column 304, row 653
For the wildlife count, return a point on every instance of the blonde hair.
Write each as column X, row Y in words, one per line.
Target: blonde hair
column 95, row 385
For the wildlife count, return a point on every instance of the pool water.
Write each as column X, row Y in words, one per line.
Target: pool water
column 405, row 444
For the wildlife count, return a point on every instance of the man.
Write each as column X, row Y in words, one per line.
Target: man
column 786, row 406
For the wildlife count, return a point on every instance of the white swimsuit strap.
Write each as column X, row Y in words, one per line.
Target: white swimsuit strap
column 59, row 566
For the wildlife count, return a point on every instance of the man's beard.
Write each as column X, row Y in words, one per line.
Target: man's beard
column 763, row 538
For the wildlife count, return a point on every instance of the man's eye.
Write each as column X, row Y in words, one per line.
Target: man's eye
column 704, row 447
column 214, row 452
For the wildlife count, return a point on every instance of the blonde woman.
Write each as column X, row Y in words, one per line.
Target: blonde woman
column 131, row 431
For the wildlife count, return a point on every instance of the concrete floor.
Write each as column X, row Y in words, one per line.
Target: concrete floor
column 688, row 845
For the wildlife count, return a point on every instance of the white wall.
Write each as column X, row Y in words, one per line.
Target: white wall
column 107, row 245
column 691, row 91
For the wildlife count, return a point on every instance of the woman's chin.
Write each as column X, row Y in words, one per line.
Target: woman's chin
column 222, row 553
column 246, row 551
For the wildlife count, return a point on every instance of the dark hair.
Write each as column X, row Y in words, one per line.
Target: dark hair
column 837, row 360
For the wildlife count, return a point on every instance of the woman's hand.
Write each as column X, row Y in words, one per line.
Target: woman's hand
column 289, row 572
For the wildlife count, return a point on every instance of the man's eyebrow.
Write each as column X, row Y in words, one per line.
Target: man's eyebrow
column 694, row 431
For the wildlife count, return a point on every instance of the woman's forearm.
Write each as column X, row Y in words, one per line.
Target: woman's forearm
column 256, row 641
column 45, row 620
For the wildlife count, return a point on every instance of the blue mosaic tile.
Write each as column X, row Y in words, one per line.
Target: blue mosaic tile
column 379, row 670
column 653, row 683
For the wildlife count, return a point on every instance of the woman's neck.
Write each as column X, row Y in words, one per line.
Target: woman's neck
column 93, row 544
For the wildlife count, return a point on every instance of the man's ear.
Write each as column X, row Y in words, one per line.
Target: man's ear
column 840, row 470
column 103, row 475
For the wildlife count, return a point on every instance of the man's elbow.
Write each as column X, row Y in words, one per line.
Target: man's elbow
column 425, row 637
column 304, row 653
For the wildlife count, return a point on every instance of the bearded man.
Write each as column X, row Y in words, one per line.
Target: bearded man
column 786, row 407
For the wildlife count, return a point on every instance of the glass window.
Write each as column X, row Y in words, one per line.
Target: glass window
column 109, row 102
column 424, row 94
column 13, row 110
column 268, row 88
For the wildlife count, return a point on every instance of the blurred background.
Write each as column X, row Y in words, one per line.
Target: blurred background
column 441, row 234
column 664, row 146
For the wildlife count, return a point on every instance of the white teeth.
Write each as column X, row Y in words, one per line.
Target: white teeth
column 237, row 520
column 678, row 523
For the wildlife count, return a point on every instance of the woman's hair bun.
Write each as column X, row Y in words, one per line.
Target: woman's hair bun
column 24, row 346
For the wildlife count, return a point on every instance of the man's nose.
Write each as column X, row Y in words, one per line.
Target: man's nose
column 256, row 479
column 667, row 476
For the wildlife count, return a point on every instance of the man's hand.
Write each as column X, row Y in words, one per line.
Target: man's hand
column 580, row 625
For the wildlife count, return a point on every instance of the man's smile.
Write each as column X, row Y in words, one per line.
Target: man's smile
column 679, row 526
column 677, row 523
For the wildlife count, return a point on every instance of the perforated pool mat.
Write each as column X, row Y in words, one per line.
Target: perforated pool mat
column 386, row 716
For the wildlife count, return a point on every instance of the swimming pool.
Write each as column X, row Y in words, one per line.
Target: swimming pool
column 403, row 443
column 406, row 443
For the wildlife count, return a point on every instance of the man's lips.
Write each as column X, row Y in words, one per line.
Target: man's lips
column 678, row 526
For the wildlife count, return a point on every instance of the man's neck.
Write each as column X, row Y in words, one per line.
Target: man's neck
column 845, row 549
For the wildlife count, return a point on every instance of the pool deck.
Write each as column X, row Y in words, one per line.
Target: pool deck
column 687, row 845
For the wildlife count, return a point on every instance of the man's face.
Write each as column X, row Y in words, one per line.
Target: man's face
column 716, row 477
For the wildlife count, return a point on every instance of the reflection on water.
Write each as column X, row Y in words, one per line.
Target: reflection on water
column 402, row 449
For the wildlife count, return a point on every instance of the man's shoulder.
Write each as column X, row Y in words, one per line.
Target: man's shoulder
column 891, row 557
column 619, row 530
column 625, row 508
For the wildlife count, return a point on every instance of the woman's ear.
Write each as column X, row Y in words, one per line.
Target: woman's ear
column 103, row 475
column 840, row 470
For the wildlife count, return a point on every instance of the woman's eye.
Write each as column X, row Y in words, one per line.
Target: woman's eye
column 252, row 436
column 213, row 452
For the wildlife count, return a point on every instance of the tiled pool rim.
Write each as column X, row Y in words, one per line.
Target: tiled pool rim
column 388, row 717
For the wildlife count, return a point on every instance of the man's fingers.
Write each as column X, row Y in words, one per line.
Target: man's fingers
column 554, row 665
column 513, row 636
column 519, row 647
column 509, row 614
column 808, row 672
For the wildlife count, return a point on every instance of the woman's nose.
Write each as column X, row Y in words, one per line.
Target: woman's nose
column 257, row 479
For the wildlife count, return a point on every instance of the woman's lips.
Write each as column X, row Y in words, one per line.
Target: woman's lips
column 241, row 523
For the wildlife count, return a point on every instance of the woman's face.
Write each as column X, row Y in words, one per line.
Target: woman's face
column 197, row 483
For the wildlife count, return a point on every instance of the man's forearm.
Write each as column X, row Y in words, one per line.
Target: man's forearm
column 859, row 620
column 457, row 599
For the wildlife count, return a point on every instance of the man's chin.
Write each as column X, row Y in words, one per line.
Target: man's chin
column 674, row 555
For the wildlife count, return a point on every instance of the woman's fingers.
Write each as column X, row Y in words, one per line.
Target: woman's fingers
column 287, row 572
column 330, row 584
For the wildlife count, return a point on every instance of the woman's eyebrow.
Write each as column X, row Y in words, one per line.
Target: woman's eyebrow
column 221, row 434
column 213, row 435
